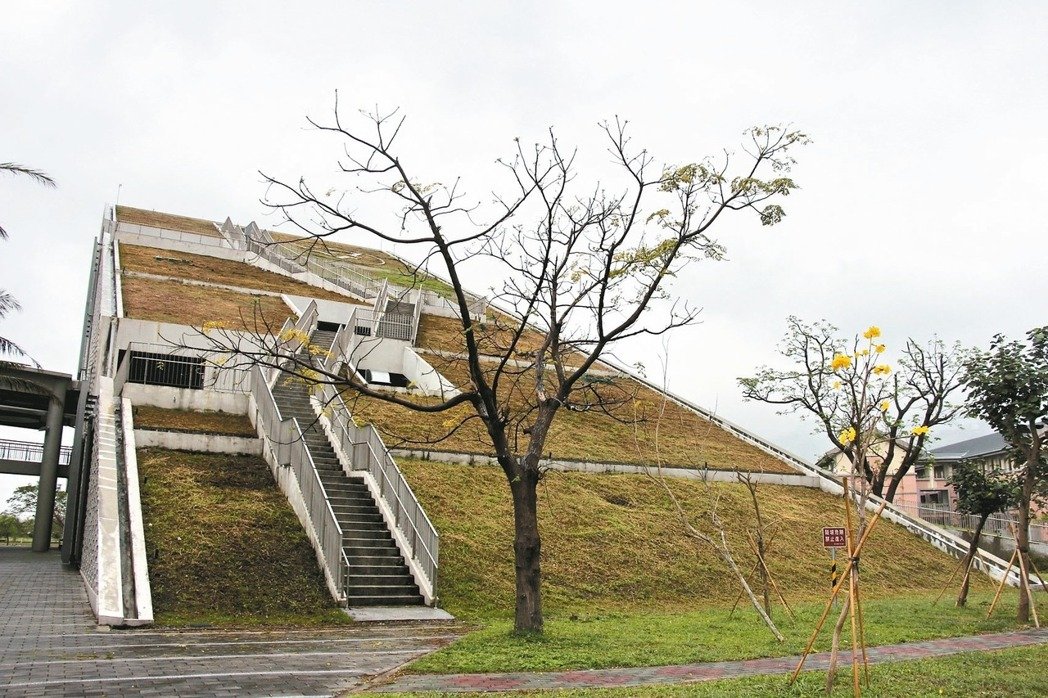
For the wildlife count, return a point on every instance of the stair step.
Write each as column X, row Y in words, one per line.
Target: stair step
column 367, row 585
column 406, row 600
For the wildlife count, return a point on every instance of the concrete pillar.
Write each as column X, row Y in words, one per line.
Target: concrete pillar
column 45, row 499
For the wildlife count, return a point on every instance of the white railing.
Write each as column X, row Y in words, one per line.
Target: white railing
column 367, row 452
column 289, row 448
column 999, row 525
column 30, row 452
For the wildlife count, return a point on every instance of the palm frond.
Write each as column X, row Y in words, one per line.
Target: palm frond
column 40, row 177
column 9, row 348
column 19, row 385
column 7, row 303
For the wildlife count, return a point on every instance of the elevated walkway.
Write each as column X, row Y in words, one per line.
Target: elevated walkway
column 25, row 458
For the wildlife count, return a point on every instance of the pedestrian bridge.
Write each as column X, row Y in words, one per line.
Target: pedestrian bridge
column 25, row 457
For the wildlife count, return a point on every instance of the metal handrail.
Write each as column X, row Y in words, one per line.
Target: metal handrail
column 366, row 451
column 30, row 452
column 289, row 448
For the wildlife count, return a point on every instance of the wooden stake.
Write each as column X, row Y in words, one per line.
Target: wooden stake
column 950, row 580
column 851, row 591
column 1026, row 586
column 743, row 592
column 835, row 591
column 1000, row 587
column 1038, row 573
column 862, row 637
column 771, row 577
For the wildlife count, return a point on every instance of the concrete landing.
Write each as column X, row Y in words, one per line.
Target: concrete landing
column 51, row 646
column 392, row 613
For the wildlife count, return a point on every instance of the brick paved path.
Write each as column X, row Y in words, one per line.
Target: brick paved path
column 612, row 678
column 50, row 646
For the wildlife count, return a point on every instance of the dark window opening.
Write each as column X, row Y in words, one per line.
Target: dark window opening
column 362, row 330
column 395, row 380
column 325, row 326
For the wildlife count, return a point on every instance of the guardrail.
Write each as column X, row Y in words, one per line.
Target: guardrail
column 999, row 525
column 30, row 452
column 367, row 452
column 289, row 448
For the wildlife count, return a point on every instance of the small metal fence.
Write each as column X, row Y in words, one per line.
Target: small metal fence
column 30, row 452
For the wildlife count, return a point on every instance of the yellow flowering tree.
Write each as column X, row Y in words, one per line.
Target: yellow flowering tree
column 872, row 409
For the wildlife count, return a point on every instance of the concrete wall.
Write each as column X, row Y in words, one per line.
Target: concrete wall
column 185, row 399
column 381, row 355
column 789, row 480
column 209, row 443
column 426, row 378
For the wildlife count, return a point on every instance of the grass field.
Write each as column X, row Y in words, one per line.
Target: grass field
column 1011, row 672
column 147, row 417
column 185, row 304
column 167, row 221
column 224, row 546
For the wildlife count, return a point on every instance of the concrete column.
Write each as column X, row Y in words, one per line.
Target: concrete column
column 45, row 499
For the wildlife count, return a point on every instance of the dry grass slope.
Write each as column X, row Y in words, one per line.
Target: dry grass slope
column 224, row 545
column 159, row 419
column 611, row 544
column 186, row 304
column 167, row 221
column 183, row 265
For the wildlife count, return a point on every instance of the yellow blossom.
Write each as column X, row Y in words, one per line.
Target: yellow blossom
column 879, row 348
column 847, row 436
column 836, row 385
column 884, row 405
column 872, row 332
column 882, row 370
column 863, row 352
column 920, row 431
column 841, row 361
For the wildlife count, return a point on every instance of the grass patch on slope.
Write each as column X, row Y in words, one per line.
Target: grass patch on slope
column 223, row 423
column 184, row 265
column 186, row 304
column 612, row 544
column 166, row 221
column 224, row 546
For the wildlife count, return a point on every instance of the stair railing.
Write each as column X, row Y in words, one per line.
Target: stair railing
column 289, row 448
column 366, row 451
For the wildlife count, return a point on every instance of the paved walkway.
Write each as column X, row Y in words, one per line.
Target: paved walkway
column 51, row 646
column 686, row 673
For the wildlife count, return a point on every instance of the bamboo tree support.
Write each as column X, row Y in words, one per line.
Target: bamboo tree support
column 1004, row 580
column 852, row 590
column 956, row 569
column 742, row 593
column 833, row 594
column 771, row 577
column 1040, row 578
column 1024, row 585
column 856, row 601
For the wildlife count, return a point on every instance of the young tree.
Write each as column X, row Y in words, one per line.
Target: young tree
column 1008, row 389
column 919, row 393
column 10, row 527
column 980, row 494
column 581, row 269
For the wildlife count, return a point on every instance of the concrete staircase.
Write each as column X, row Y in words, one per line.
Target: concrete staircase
column 377, row 575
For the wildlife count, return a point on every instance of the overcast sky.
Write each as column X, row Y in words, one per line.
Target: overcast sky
column 923, row 192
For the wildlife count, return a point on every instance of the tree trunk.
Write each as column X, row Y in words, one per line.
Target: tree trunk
column 894, row 484
column 764, row 575
column 1022, row 542
column 527, row 553
column 962, row 597
column 835, row 645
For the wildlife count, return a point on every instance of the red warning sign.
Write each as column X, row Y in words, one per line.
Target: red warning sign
column 834, row 537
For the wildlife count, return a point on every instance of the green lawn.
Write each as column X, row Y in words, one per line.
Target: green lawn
column 596, row 642
column 1012, row 672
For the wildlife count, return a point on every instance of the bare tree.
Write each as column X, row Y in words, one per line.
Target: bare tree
column 582, row 268
column 920, row 393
